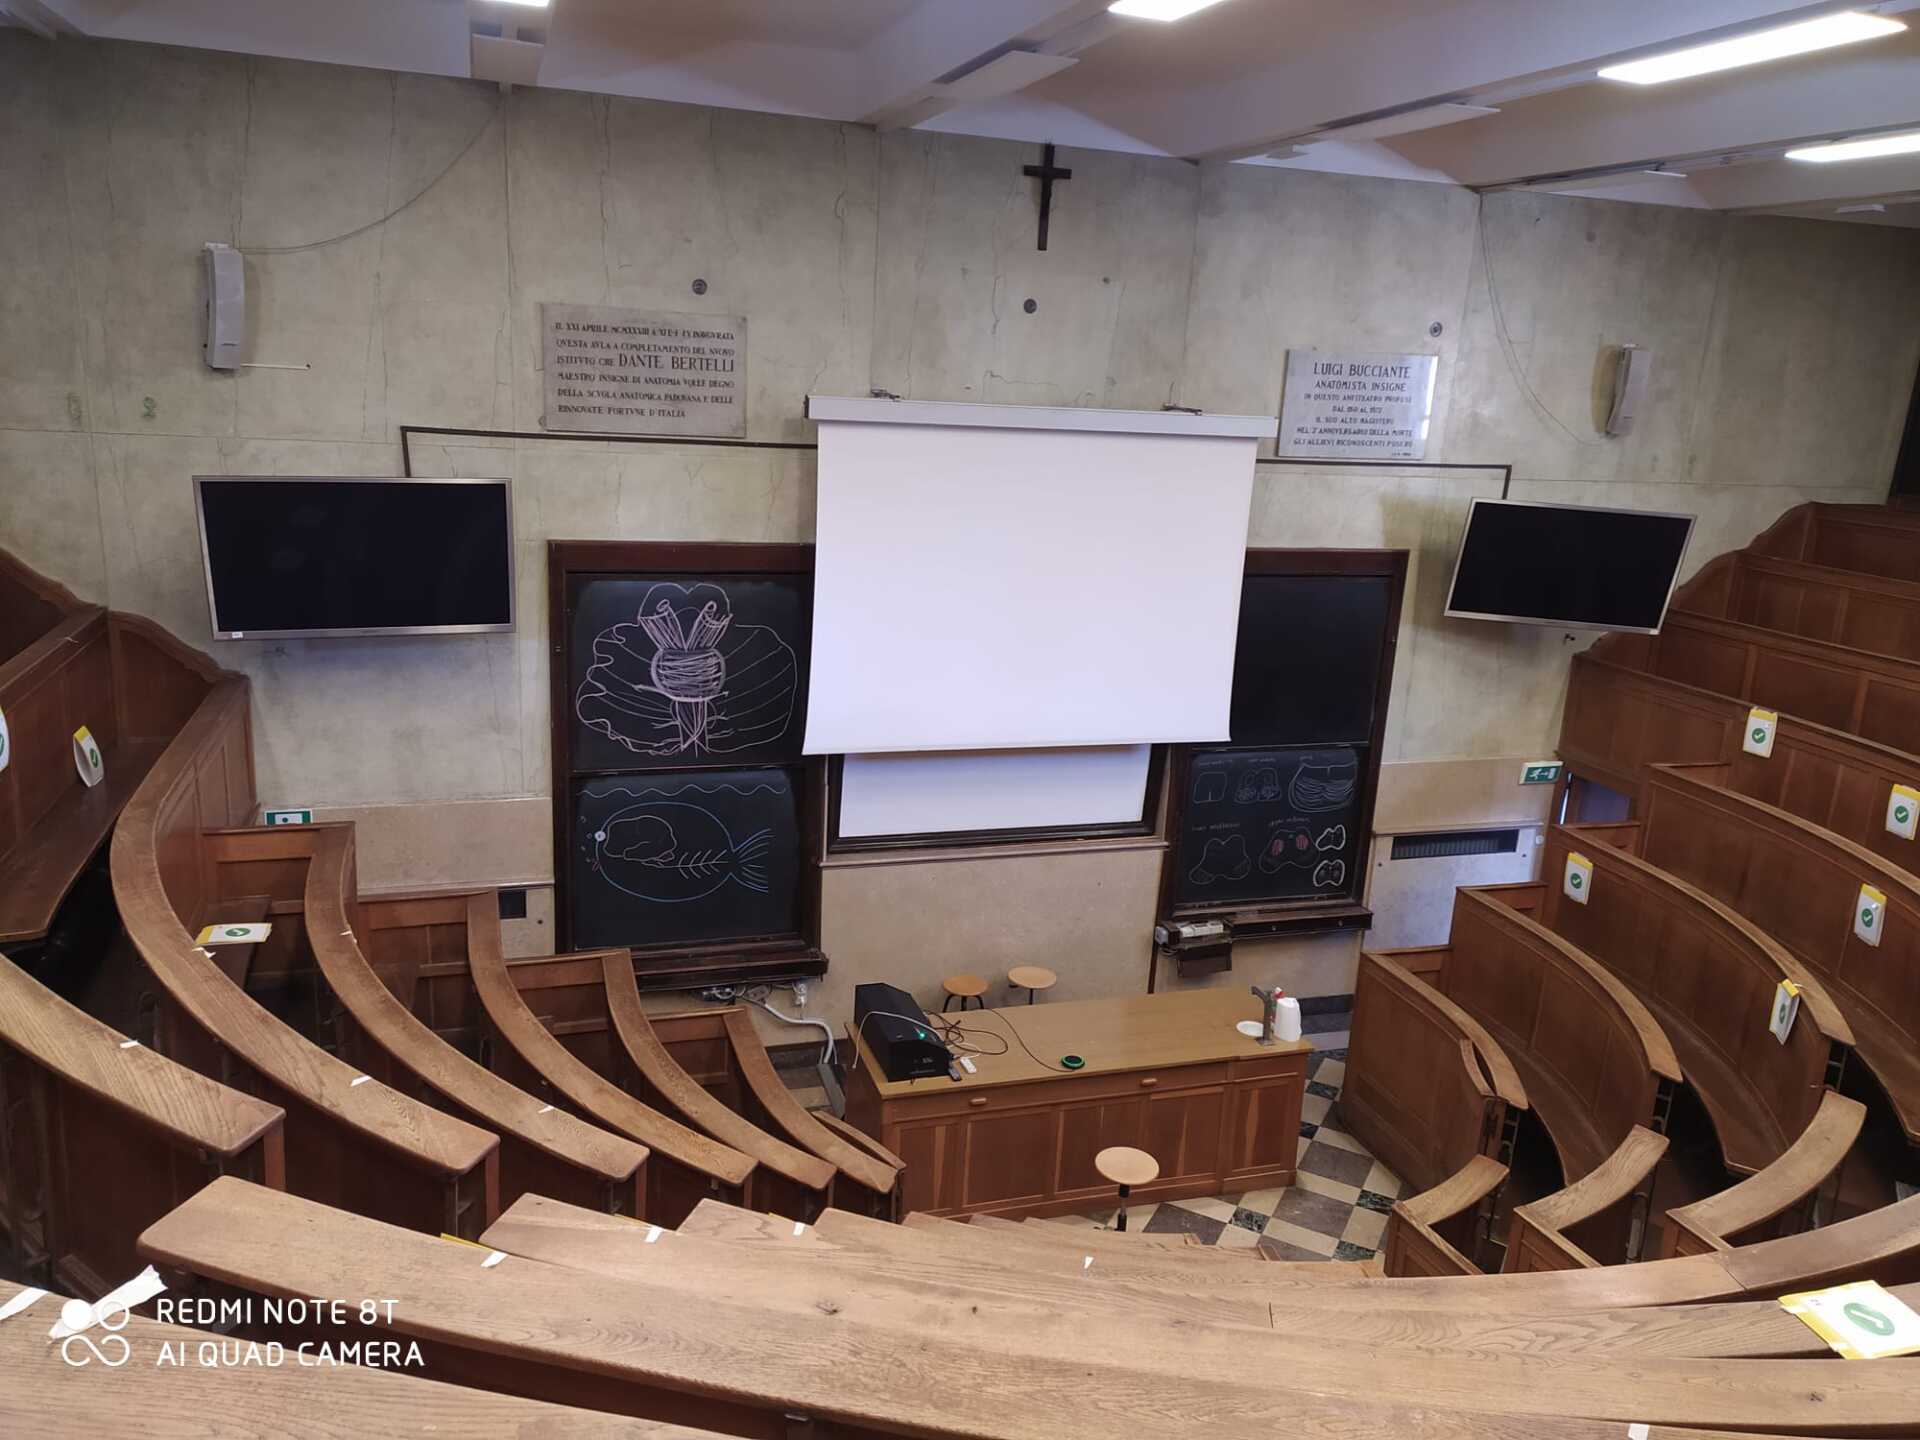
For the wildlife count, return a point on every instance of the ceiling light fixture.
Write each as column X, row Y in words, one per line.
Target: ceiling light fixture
column 1158, row 9
column 531, row 4
column 1824, row 33
column 1874, row 149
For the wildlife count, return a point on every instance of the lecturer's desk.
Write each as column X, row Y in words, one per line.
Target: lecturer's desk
column 1166, row 1073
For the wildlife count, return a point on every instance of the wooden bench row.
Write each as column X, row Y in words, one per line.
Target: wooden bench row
column 1868, row 539
column 690, row 1352
column 1619, row 723
column 64, row 665
column 1814, row 602
column 181, row 1383
column 1802, row 885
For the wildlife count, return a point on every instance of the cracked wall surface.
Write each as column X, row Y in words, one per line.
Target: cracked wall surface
column 1785, row 352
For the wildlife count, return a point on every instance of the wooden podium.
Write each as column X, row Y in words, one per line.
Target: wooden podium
column 1168, row 1074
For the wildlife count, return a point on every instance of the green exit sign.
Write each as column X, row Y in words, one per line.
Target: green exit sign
column 289, row 817
column 1540, row 772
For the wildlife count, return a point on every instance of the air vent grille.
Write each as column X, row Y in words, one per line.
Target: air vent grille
column 1445, row 843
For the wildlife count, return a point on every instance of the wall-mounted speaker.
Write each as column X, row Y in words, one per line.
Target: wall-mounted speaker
column 1629, row 389
column 226, row 305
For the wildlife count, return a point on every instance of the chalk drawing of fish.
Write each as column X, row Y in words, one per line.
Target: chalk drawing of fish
column 671, row 851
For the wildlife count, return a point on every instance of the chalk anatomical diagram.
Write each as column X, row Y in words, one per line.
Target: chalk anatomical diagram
column 1292, row 847
column 1319, row 787
column 681, row 678
column 1222, row 860
column 669, row 848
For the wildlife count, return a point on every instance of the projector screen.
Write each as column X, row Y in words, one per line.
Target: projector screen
column 995, row 577
column 941, row 793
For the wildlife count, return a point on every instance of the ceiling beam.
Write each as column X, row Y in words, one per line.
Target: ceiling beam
column 1392, row 54
column 1866, row 87
column 897, row 71
column 1775, row 184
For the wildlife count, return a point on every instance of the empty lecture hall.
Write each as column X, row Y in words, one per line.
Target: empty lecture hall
column 959, row 719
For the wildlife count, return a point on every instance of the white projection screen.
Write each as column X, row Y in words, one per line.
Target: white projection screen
column 996, row 577
column 975, row 790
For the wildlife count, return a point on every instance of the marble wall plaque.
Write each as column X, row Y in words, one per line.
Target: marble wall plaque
column 1356, row 407
column 644, row 372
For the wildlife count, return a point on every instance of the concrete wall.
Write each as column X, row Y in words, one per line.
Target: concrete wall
column 1785, row 355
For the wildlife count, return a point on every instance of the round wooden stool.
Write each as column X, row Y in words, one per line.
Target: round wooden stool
column 963, row 988
column 1032, row 979
column 1126, row 1167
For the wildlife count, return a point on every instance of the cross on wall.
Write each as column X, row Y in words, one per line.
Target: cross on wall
column 1046, row 172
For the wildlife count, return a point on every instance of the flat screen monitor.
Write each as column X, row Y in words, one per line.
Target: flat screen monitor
column 1577, row 565
column 309, row 555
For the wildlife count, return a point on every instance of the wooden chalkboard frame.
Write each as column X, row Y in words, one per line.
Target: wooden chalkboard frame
column 679, row 967
column 1253, row 919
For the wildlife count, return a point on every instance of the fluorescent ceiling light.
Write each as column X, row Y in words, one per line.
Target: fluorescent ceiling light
column 534, row 4
column 1158, row 9
column 1874, row 149
column 1822, row 34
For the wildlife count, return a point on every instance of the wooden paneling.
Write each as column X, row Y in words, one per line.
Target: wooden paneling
column 1619, row 723
column 1167, row 1074
column 79, row 1103
column 1589, row 1053
column 1709, row 977
column 1415, row 1093
column 1801, row 885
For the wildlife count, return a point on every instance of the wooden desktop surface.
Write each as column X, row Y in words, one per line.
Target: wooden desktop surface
column 1127, row 1032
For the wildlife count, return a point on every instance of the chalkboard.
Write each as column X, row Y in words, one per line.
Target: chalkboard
column 667, row 672
column 1271, row 825
column 1307, row 663
column 683, row 859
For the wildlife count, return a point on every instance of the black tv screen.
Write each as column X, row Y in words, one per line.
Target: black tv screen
column 1568, row 565
column 311, row 556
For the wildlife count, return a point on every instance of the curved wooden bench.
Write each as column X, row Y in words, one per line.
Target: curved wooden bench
column 1591, row 1057
column 1869, row 539
column 351, row 1141
column 80, row 672
column 542, row 1149
column 1792, row 1180
column 1619, row 723
column 1541, row 1236
column 806, row 1270
column 683, row 1165
column 715, row 1358
column 1709, row 976
column 788, row 1181
column 1801, row 884
column 44, row 1396
column 1415, row 1093
column 100, row 1136
column 724, row 1053
column 1817, row 602
column 1873, row 696
column 1418, row 1228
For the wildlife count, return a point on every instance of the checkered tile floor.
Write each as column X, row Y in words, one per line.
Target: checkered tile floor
column 1336, row 1209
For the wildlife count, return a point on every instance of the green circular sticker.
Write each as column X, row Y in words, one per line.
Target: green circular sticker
column 1576, row 880
column 1759, row 735
column 236, row 930
column 1866, row 917
column 1868, row 1318
column 1900, row 812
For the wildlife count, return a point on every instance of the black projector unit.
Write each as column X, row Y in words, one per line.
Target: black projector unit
column 897, row 1032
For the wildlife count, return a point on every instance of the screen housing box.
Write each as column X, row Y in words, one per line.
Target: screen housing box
column 206, row 558
column 1459, row 555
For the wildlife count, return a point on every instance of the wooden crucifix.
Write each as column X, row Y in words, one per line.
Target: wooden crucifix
column 1046, row 172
